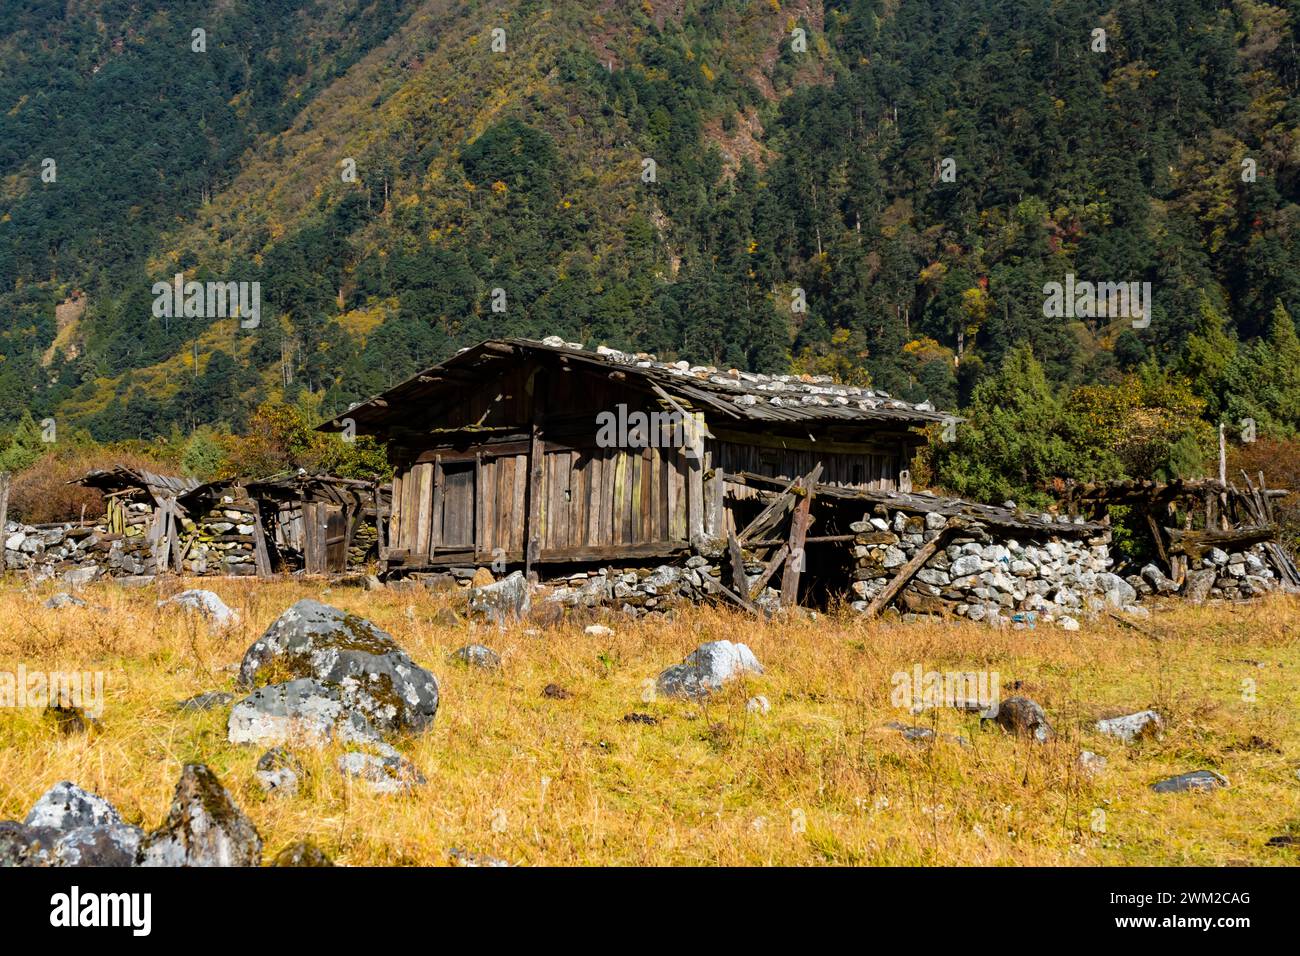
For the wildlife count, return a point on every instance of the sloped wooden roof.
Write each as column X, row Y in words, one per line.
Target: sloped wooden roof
column 143, row 483
column 741, row 396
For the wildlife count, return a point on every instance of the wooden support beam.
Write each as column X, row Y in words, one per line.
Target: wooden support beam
column 908, row 571
column 535, row 513
column 794, row 563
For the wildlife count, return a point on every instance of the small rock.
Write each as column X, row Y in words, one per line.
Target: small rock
column 302, row 853
column 482, row 578
column 211, row 700
column 758, row 705
column 556, row 692
column 1196, row 780
column 1132, row 727
column 598, row 630
column 461, row 857
column 209, row 605
column 706, row 669
column 62, row 600
column 476, row 655
column 1024, row 717
column 635, row 718
column 504, row 602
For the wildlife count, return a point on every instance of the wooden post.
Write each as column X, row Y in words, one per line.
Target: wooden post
column 261, row 559
column 535, row 516
column 5, row 481
column 794, row 562
column 1223, row 457
column 694, row 452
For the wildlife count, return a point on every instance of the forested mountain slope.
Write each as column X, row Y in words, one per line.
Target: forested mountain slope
column 915, row 172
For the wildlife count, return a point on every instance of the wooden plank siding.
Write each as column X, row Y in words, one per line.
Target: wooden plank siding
column 510, row 465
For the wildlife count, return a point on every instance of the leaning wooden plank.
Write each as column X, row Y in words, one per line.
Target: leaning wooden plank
column 760, row 582
column 738, row 579
column 771, row 516
column 735, row 598
column 908, row 571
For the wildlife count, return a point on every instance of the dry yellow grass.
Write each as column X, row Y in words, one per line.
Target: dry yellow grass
column 540, row 781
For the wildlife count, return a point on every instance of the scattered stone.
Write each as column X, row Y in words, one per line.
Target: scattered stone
column 556, row 692
column 79, row 577
column 481, row 578
column 205, row 603
column 758, row 705
column 635, row 718
column 476, row 655
column 65, row 806
column 203, row 828
column 504, row 602
column 1132, row 727
column 279, row 772
column 362, row 664
column 1196, row 780
column 70, row 720
column 302, row 853
column 210, row 700
column 598, row 630
column 1068, row 623
column 383, row 770
column 1283, row 840
column 1091, row 763
column 461, row 857
column 706, row 669
column 1197, row 585
column 62, row 600
column 918, row 735
column 1024, row 717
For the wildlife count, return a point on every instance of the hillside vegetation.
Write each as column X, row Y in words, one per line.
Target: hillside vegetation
column 799, row 156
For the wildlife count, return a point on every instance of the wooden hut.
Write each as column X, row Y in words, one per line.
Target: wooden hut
column 141, row 512
column 530, row 453
column 321, row 523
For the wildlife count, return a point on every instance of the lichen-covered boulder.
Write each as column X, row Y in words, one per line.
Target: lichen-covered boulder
column 350, row 655
column 68, row 826
column 706, row 669
column 203, row 828
column 302, row 711
column 1025, row 718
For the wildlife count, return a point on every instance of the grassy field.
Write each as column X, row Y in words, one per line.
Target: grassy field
column 818, row 780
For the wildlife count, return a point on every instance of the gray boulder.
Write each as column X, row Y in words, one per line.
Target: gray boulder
column 68, row 826
column 1196, row 780
column 203, row 828
column 1159, row 581
column 1131, row 727
column 505, row 602
column 371, row 674
column 706, row 669
column 205, row 603
column 62, row 600
column 1024, row 717
column 1118, row 592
